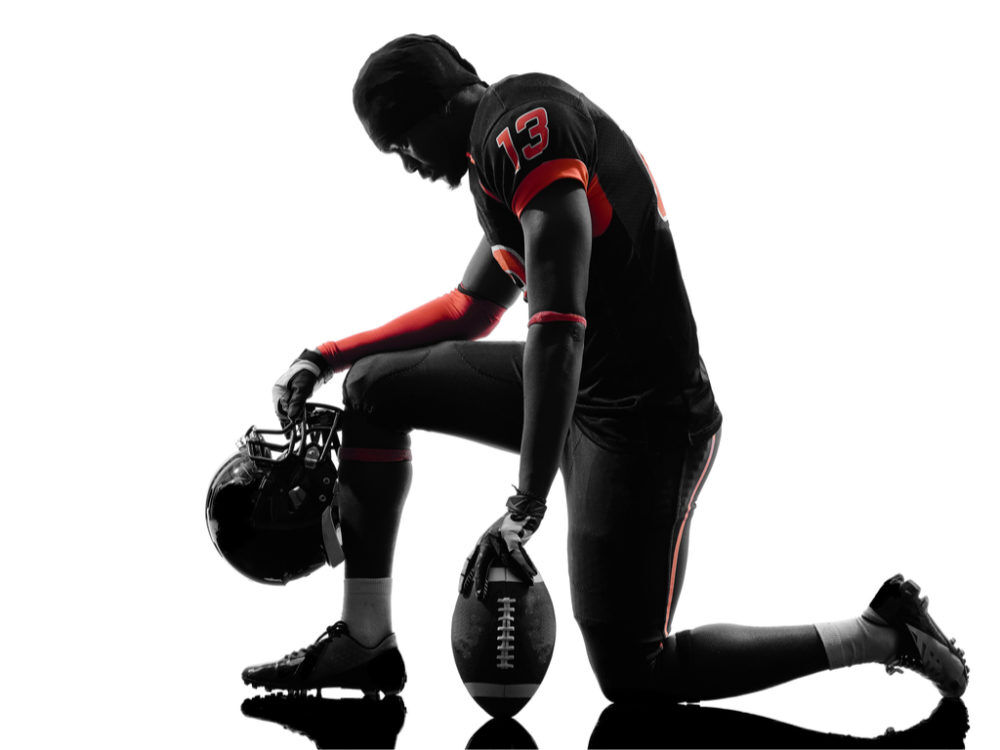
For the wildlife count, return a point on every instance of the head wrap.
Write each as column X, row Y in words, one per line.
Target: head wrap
column 407, row 80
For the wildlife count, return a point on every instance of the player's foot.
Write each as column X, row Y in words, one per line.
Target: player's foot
column 330, row 723
column 335, row 660
column 922, row 646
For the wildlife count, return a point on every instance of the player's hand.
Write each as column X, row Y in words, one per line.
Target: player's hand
column 293, row 388
column 503, row 542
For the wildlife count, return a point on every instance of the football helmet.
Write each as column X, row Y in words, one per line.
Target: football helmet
column 268, row 505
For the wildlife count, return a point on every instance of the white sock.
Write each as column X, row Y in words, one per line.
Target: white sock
column 368, row 609
column 862, row 640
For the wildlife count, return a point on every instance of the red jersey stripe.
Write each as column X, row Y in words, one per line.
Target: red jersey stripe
column 544, row 175
column 485, row 190
column 600, row 208
column 661, row 209
column 510, row 262
column 680, row 533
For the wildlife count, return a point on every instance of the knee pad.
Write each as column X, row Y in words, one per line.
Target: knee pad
column 332, row 541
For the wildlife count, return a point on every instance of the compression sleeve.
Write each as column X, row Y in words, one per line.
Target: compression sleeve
column 453, row 316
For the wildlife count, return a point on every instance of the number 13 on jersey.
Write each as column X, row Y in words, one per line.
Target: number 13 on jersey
column 536, row 122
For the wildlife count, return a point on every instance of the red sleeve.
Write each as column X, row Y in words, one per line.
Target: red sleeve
column 450, row 317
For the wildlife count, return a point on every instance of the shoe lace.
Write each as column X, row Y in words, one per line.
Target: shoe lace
column 336, row 630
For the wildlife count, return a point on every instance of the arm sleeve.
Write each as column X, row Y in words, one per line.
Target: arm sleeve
column 453, row 316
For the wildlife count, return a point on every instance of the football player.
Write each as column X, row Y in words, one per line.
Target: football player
column 608, row 387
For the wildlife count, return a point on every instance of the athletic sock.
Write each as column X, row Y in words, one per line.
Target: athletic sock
column 368, row 609
column 375, row 475
column 863, row 640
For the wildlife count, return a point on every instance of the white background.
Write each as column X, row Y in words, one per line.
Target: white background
column 187, row 200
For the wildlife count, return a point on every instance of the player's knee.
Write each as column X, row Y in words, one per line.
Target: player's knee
column 383, row 387
column 368, row 399
column 623, row 663
column 631, row 667
column 622, row 678
column 358, row 383
column 370, row 420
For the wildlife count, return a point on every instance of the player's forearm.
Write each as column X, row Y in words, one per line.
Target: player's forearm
column 453, row 316
column 553, row 357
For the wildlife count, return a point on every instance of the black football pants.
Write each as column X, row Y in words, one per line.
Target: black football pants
column 629, row 513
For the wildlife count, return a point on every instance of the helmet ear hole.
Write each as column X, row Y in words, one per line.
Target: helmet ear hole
column 265, row 505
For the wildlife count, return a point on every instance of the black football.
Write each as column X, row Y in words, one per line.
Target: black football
column 503, row 644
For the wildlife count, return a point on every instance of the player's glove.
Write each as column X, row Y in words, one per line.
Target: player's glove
column 503, row 542
column 296, row 385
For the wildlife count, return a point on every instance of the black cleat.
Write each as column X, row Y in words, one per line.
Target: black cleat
column 333, row 723
column 335, row 660
column 923, row 648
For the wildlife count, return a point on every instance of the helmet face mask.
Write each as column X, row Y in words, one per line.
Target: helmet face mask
column 265, row 503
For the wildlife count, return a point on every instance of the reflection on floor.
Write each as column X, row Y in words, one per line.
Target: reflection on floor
column 672, row 726
column 502, row 733
column 333, row 722
column 369, row 723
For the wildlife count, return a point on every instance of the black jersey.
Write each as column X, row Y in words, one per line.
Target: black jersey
column 641, row 365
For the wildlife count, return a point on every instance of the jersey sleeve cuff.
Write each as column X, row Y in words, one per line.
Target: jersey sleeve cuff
column 329, row 351
column 543, row 176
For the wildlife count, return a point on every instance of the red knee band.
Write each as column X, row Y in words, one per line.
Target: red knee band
column 547, row 316
column 375, row 455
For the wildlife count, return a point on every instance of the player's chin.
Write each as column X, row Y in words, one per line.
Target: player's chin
column 454, row 177
column 453, row 182
column 432, row 176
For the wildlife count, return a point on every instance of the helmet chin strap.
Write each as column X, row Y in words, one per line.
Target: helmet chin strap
column 331, row 535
